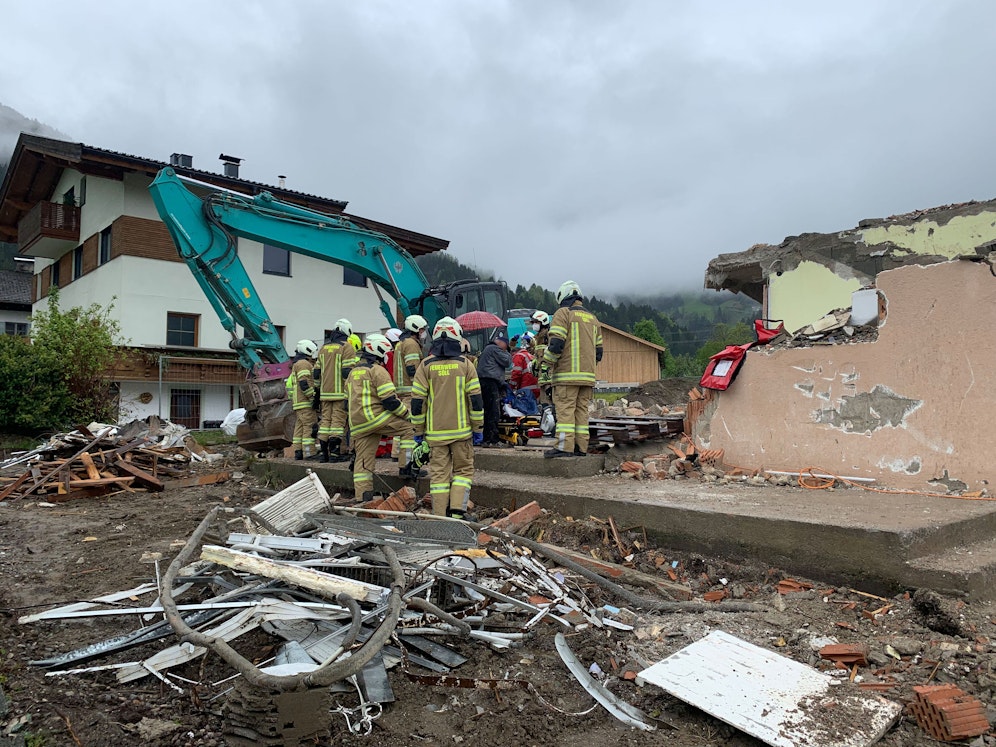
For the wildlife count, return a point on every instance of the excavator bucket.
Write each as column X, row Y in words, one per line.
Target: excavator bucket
column 267, row 427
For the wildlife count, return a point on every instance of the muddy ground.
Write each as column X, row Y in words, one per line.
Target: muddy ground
column 78, row 550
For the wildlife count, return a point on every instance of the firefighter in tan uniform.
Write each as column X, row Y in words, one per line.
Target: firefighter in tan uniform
column 374, row 411
column 447, row 407
column 407, row 354
column 335, row 359
column 539, row 327
column 301, row 393
column 569, row 365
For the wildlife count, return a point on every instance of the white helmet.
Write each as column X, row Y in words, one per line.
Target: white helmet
column 377, row 345
column 541, row 318
column 569, row 288
column 393, row 334
column 447, row 327
column 344, row 326
column 307, row 347
column 415, row 323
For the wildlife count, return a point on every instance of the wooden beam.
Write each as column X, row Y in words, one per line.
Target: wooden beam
column 192, row 482
column 91, row 469
column 326, row 584
column 143, row 477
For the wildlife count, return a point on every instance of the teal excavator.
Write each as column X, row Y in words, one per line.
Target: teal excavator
column 205, row 230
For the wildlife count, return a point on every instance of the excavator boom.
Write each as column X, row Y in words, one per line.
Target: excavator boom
column 205, row 231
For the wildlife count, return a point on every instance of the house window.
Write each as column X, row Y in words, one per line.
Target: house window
column 185, row 407
column 280, row 329
column 18, row 329
column 69, row 197
column 352, row 277
column 82, row 191
column 105, row 246
column 77, row 262
column 181, row 329
column 55, row 275
column 276, row 261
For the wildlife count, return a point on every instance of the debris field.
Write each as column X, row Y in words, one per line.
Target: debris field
column 343, row 622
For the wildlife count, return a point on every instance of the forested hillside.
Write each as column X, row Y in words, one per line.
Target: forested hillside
column 692, row 325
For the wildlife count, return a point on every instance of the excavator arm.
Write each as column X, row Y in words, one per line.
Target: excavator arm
column 205, row 232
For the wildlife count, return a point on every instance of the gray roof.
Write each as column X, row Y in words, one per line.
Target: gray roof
column 15, row 287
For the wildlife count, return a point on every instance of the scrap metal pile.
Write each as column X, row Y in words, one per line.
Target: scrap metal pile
column 347, row 596
column 100, row 460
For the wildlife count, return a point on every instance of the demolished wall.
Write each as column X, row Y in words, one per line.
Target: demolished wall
column 913, row 409
column 809, row 275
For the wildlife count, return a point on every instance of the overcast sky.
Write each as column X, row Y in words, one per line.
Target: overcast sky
column 620, row 144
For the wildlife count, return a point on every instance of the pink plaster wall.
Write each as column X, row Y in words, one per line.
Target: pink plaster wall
column 936, row 350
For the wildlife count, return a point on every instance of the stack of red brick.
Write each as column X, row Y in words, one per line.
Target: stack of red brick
column 948, row 713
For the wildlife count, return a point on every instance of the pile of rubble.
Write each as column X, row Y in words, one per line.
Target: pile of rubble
column 100, row 459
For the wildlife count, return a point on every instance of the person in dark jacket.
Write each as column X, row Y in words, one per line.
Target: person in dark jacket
column 491, row 367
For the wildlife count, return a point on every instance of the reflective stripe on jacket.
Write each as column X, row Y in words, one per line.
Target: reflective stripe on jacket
column 367, row 387
column 445, row 386
column 332, row 358
column 301, row 371
column 408, row 352
column 582, row 342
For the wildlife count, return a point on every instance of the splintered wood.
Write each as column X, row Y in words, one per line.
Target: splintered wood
column 82, row 464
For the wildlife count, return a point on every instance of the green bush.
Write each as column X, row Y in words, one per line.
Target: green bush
column 33, row 391
column 84, row 342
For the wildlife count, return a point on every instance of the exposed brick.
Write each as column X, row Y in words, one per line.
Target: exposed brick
column 948, row 713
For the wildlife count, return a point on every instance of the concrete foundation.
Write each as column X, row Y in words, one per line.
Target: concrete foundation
column 878, row 542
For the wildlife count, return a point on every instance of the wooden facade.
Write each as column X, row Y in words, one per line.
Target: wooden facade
column 626, row 359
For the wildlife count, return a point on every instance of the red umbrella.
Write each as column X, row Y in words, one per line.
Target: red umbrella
column 474, row 320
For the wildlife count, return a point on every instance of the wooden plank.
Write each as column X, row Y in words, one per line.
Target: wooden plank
column 7, row 491
column 91, row 469
column 324, row 583
column 191, row 482
column 624, row 574
column 101, row 481
column 143, row 477
column 773, row 698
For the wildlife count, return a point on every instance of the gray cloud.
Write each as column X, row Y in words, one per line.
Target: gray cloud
column 621, row 144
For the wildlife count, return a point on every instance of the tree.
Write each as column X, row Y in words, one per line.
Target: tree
column 84, row 343
column 647, row 330
column 723, row 335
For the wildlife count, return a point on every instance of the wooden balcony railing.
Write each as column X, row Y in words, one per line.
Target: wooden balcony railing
column 49, row 220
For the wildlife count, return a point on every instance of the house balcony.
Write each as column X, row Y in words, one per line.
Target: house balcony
column 49, row 230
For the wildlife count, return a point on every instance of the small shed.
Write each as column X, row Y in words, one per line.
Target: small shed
column 627, row 359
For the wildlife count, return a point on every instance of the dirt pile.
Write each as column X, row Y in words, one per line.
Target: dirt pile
column 671, row 393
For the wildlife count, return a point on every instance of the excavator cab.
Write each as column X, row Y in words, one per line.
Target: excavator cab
column 462, row 296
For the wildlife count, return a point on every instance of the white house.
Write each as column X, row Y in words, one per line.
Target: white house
column 85, row 215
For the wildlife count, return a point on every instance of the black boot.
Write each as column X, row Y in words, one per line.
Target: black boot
column 334, row 455
column 554, row 453
column 578, row 452
column 456, row 513
column 299, row 454
column 368, row 495
column 324, row 456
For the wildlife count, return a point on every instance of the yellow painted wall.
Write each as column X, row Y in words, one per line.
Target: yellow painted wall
column 958, row 236
column 803, row 295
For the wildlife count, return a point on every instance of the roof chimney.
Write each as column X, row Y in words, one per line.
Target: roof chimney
column 231, row 165
column 181, row 160
column 281, row 180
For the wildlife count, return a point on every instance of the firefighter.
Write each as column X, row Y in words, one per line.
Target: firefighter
column 569, row 366
column 539, row 326
column 374, row 411
column 301, row 393
column 407, row 354
column 336, row 357
column 448, row 411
